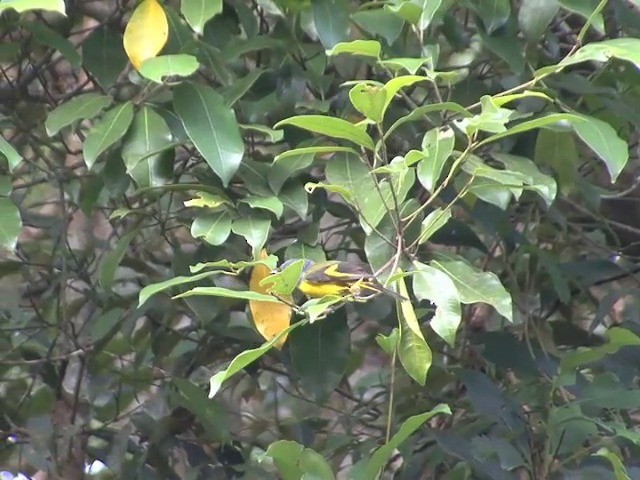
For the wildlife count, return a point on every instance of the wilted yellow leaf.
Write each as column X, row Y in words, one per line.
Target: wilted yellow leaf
column 269, row 318
column 146, row 33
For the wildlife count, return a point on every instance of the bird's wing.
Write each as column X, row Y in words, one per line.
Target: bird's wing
column 337, row 272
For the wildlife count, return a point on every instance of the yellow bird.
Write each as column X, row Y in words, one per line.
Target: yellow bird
column 338, row 278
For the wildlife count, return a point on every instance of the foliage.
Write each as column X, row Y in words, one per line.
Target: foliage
column 163, row 158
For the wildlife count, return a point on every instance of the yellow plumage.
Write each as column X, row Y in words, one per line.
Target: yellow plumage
column 339, row 279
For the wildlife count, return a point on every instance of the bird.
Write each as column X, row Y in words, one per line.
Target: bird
column 338, row 278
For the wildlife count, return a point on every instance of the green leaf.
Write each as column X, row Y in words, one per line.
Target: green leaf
column 369, row 100
column 421, row 112
column 52, row 39
column 411, row 65
column 104, row 56
column 248, row 356
column 437, row 147
column 317, row 308
column 111, row 261
column 314, row 466
column 409, row 11
column 476, row 286
column 294, row 196
column 598, row 135
column 319, row 354
column 211, row 126
column 198, row 12
column 619, row 469
column 364, row 48
column 413, row 350
column 331, row 127
column 239, row 47
column 627, row 49
column 534, row 16
column 296, row 152
column 272, row 204
column 388, row 343
column 429, row 9
column 273, row 136
column 512, row 180
column 210, row 414
column 295, row 462
column 147, row 138
column 80, row 107
column 493, row 118
column 240, row 87
column 380, row 247
column 604, row 141
column 286, row 165
column 382, row 455
column 379, row 22
column 494, row 13
column 213, row 228
column 285, row 281
column 617, row 338
column 543, row 184
column 13, row 157
column 181, row 64
column 585, row 8
column 150, row 290
column 434, row 222
column 331, row 19
column 505, row 42
column 10, row 224
column 255, row 230
column 227, row 293
column 302, row 250
column 107, row 131
column 154, row 171
column 558, row 151
column 431, row 284
column 393, row 86
column 490, row 191
column 286, row 456
column 26, row 5
column 235, row 267
column 350, row 173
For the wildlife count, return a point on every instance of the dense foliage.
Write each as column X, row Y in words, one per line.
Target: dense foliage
column 159, row 159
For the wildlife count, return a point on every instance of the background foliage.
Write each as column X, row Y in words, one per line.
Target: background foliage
column 486, row 150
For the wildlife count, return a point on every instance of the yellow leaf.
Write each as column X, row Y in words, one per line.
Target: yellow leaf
column 269, row 318
column 146, row 33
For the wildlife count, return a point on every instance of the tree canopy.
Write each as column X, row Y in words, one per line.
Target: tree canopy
column 159, row 160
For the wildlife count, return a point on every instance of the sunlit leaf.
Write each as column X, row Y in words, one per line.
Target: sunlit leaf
column 10, row 224
column 476, row 286
column 366, row 48
column 254, row 228
column 213, row 228
column 13, row 157
column 26, row 5
column 246, row 358
column 155, row 68
column 269, row 318
column 331, row 127
column 431, row 284
column 146, row 33
column 198, row 12
column 381, row 456
column 413, row 350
